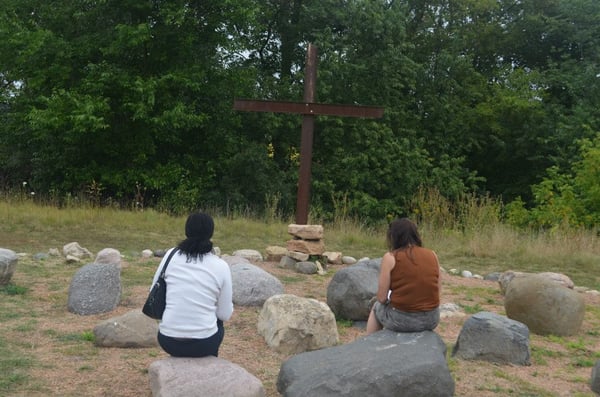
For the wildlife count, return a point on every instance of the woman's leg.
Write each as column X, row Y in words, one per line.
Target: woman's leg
column 373, row 325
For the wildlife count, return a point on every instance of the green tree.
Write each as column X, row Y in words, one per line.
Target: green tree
column 565, row 197
column 120, row 93
column 135, row 97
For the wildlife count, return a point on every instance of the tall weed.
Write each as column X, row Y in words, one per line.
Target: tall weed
column 468, row 234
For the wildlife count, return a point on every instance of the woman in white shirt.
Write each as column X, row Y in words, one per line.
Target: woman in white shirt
column 199, row 294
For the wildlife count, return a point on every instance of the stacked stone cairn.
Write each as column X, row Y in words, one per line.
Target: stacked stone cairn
column 307, row 239
column 306, row 244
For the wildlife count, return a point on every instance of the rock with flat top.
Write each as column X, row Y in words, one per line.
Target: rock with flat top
column 382, row 364
column 202, row 377
column 311, row 247
column 306, row 232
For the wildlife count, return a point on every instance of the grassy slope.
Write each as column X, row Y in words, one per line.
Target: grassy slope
column 33, row 319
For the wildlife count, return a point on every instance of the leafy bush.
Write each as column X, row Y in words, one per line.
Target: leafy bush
column 564, row 198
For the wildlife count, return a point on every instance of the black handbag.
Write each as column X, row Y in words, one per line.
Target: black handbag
column 157, row 298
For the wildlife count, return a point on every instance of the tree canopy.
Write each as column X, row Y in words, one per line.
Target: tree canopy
column 133, row 100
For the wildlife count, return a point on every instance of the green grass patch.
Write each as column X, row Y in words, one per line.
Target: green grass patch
column 28, row 326
column 85, row 336
column 14, row 367
column 343, row 323
column 539, row 354
column 12, row 289
column 292, row 279
column 586, row 362
column 472, row 309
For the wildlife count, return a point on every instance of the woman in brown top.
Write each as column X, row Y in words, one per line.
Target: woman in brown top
column 408, row 294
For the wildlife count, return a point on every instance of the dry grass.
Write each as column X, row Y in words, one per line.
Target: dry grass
column 46, row 351
column 62, row 361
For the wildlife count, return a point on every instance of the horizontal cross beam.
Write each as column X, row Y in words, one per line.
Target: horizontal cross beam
column 314, row 109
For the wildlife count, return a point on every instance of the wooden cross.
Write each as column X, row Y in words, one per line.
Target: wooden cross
column 308, row 109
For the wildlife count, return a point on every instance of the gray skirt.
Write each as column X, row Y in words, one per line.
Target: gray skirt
column 399, row 321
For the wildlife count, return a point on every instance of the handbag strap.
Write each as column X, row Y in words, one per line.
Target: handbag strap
column 164, row 268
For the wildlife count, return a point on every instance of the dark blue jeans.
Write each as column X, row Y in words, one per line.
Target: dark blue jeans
column 178, row 347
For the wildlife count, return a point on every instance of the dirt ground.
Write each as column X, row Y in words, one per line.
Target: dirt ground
column 65, row 368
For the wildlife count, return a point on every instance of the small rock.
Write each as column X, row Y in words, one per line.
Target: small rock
column 495, row 276
column 298, row 256
column 109, row 256
column 320, row 270
column 40, row 256
column 252, row 255
column 74, row 249
column 335, row 258
column 160, row 253
column 348, row 260
column 287, row 262
column 72, row 259
column 275, row 253
column 306, row 267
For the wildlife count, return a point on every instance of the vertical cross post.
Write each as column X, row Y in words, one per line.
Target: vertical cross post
column 306, row 140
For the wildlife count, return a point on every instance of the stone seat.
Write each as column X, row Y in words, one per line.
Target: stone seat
column 206, row 376
column 382, row 364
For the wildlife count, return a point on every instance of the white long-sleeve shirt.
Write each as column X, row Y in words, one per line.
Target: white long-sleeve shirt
column 198, row 293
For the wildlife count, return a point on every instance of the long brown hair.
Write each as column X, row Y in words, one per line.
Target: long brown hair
column 402, row 233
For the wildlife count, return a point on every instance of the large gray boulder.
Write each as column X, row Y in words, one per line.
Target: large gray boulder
column 595, row 379
column 291, row 324
column 133, row 329
column 8, row 263
column 545, row 306
column 202, row 377
column 384, row 364
column 95, row 288
column 252, row 286
column 491, row 337
column 351, row 289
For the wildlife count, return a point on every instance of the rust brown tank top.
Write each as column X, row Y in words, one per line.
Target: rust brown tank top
column 415, row 280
